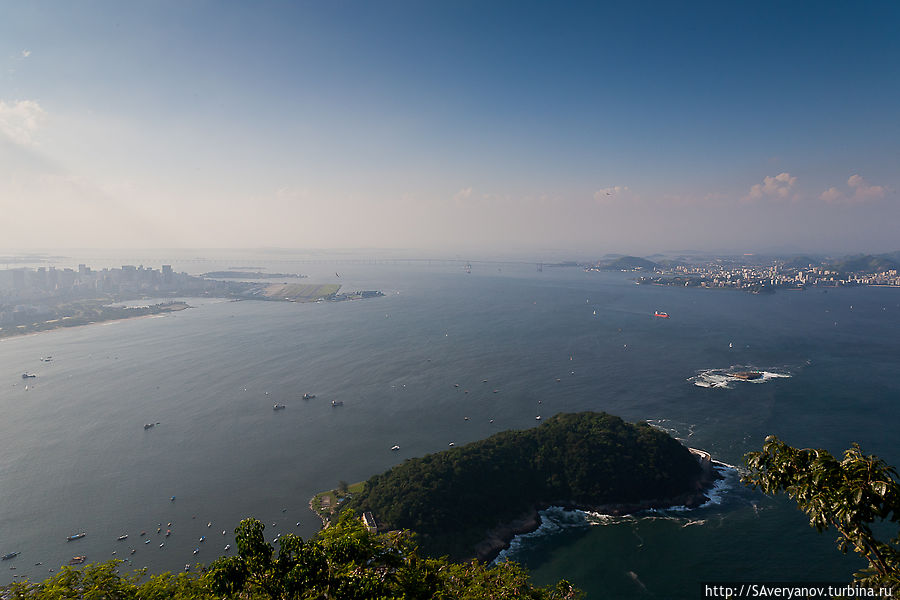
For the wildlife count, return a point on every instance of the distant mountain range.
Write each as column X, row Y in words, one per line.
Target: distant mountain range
column 866, row 263
column 628, row 263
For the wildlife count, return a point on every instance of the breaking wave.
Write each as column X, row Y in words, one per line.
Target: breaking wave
column 556, row 519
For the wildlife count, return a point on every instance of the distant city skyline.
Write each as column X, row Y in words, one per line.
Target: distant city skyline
column 451, row 126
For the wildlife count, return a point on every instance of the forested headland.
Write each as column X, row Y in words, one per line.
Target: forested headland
column 468, row 501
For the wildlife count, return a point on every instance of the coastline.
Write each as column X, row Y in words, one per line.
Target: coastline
column 162, row 310
column 500, row 537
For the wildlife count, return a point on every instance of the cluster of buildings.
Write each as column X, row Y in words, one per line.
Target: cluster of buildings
column 764, row 278
column 28, row 296
column 129, row 280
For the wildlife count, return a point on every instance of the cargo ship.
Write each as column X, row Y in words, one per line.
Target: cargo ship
column 661, row 314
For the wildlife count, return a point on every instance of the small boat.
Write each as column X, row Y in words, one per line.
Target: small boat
column 162, row 544
column 9, row 556
column 451, row 444
column 76, row 536
column 196, row 550
column 148, row 425
column 146, row 541
column 28, row 375
column 337, row 402
column 209, row 524
column 465, row 418
column 731, row 344
column 308, row 396
column 395, row 448
column 278, row 406
column 227, row 547
column 223, row 532
column 77, row 560
column 661, row 315
column 124, row 536
column 172, row 499
column 202, row 538
column 537, row 418
column 187, row 567
column 143, row 533
column 133, row 550
column 168, row 532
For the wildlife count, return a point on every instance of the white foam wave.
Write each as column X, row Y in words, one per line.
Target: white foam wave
column 595, row 518
column 557, row 519
column 697, row 522
column 553, row 520
column 730, row 479
column 676, row 430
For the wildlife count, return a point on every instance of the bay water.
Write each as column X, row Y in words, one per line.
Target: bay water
column 75, row 456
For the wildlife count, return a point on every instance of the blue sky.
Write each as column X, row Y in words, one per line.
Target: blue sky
column 586, row 127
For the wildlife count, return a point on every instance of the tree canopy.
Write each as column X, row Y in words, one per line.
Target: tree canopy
column 849, row 495
column 343, row 562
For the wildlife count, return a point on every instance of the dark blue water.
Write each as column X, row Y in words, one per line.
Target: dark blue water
column 74, row 454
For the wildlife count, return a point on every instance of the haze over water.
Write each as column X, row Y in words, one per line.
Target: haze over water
column 74, row 455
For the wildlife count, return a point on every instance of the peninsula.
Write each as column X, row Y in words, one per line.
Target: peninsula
column 42, row 299
column 471, row 500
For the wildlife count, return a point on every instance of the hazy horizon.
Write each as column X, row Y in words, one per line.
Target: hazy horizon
column 464, row 127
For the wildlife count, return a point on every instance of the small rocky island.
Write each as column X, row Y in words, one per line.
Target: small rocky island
column 471, row 500
column 747, row 375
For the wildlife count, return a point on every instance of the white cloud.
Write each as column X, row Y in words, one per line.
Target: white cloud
column 832, row 194
column 19, row 120
column 610, row 193
column 25, row 54
column 861, row 192
column 779, row 186
column 463, row 194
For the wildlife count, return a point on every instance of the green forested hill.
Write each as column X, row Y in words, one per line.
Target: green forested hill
column 452, row 498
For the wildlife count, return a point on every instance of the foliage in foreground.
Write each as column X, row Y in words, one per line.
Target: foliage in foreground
column 849, row 495
column 343, row 562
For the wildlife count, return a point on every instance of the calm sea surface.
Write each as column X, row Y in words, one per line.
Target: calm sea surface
column 74, row 455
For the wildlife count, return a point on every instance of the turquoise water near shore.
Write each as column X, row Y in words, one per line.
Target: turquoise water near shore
column 74, row 454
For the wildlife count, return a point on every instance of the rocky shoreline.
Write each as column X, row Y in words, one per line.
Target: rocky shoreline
column 499, row 538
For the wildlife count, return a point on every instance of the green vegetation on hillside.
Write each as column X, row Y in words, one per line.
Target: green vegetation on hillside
column 343, row 562
column 451, row 499
column 629, row 263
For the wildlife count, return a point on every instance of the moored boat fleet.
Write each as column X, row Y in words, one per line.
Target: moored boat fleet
column 80, row 559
